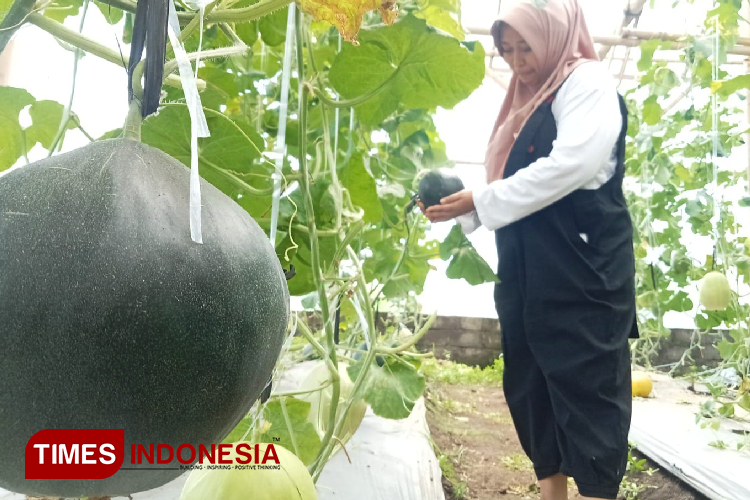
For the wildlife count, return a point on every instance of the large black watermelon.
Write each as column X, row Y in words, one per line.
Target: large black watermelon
column 111, row 317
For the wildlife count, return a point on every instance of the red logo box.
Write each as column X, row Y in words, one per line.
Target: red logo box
column 75, row 453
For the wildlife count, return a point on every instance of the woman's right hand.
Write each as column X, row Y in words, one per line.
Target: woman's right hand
column 424, row 210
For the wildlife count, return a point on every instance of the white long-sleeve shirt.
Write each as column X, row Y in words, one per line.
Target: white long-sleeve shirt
column 587, row 113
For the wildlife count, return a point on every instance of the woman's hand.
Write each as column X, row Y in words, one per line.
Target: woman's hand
column 451, row 207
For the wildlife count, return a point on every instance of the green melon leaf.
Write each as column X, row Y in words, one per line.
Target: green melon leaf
column 387, row 249
column 221, row 86
column 442, row 20
column 302, row 283
column 242, row 432
column 273, row 27
column 248, row 32
column 647, row 49
column 726, row 348
column 213, row 38
column 362, row 189
column 683, row 174
column 227, row 159
column 305, row 436
column 384, row 259
column 61, row 9
column 707, row 320
column 664, row 81
column 127, row 30
column 113, row 15
column 311, row 301
column 640, row 252
column 406, row 63
column 729, row 87
column 5, row 6
column 662, row 174
column 680, row 302
column 222, row 89
column 744, row 401
column 46, row 116
column 727, row 12
column 12, row 101
column 293, row 208
column 392, row 389
column 465, row 262
column 652, row 111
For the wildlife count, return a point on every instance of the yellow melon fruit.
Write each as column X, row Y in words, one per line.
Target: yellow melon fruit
column 642, row 384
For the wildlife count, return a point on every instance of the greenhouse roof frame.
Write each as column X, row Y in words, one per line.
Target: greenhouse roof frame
column 627, row 36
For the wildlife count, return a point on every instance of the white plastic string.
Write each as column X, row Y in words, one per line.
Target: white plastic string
column 198, row 125
column 280, row 148
column 202, row 13
column 200, row 6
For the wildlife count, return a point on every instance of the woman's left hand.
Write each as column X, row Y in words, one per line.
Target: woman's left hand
column 451, row 207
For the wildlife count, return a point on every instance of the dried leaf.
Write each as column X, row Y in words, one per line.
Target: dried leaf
column 347, row 15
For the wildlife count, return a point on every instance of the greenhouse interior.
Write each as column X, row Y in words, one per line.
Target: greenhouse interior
column 374, row 249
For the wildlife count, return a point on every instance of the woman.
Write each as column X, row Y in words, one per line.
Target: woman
column 565, row 298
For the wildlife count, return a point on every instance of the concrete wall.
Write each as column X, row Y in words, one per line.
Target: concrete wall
column 472, row 341
column 477, row 342
column 703, row 353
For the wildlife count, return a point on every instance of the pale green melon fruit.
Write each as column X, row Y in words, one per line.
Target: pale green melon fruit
column 291, row 482
column 320, row 401
column 715, row 293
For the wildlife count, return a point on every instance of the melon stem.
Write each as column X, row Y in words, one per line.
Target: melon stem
column 355, row 101
column 330, row 346
column 132, row 127
column 241, row 15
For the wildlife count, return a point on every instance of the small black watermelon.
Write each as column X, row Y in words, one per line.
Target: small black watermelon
column 436, row 185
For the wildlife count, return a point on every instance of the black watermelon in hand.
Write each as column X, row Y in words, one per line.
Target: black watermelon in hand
column 436, row 185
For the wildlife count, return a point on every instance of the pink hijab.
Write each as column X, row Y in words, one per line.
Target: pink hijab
column 558, row 37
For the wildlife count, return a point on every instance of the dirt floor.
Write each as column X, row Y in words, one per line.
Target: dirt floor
column 472, row 430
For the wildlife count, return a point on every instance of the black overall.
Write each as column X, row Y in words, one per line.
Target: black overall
column 567, row 308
